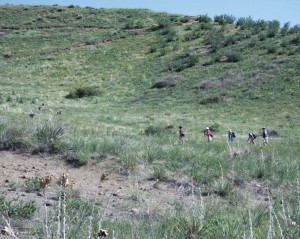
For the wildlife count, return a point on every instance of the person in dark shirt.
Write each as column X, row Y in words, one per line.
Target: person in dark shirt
column 251, row 138
column 181, row 134
column 265, row 136
column 231, row 136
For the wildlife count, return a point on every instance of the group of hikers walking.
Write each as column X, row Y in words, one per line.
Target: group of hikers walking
column 231, row 135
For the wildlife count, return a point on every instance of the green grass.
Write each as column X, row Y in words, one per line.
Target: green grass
column 245, row 77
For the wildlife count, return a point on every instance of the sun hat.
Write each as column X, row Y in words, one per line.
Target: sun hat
column 207, row 127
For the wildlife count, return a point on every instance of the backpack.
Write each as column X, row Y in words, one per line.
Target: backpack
column 233, row 135
column 254, row 136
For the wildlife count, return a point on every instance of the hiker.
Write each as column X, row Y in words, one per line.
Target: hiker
column 251, row 138
column 181, row 135
column 208, row 133
column 265, row 136
column 231, row 136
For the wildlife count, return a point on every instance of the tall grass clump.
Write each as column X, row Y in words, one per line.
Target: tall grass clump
column 73, row 217
column 49, row 137
column 13, row 136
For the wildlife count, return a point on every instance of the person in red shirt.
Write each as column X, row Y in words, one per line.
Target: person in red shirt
column 208, row 133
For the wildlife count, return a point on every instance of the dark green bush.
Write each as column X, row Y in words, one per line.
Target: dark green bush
column 47, row 138
column 76, row 158
column 215, row 127
column 224, row 19
column 245, row 23
column 205, row 26
column 272, row 49
column 153, row 130
column 215, row 40
column 273, row 28
column 204, row 19
column 262, row 37
column 153, row 48
column 295, row 29
column 169, row 81
column 13, row 137
column 262, row 24
column 253, row 42
column 233, row 56
column 230, row 40
column 163, row 22
column 192, row 35
column 183, row 61
column 169, row 34
column 17, row 209
column 32, row 185
column 296, row 40
column 285, row 29
column 84, row 91
column 210, row 100
column 185, row 19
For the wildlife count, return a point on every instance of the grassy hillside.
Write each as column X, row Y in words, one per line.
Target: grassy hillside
column 115, row 82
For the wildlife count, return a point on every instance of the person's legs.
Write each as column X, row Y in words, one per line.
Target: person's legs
column 181, row 140
column 266, row 140
column 209, row 138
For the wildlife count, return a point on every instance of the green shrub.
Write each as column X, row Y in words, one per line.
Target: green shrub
column 210, row 100
column 222, row 188
column 13, row 136
column 153, row 130
column 272, row 49
column 153, row 153
column 215, row 39
column 159, row 171
column 183, row 61
column 296, row 40
column 169, row 34
column 153, row 48
column 192, row 35
column 233, row 56
column 185, row 19
column 253, row 42
column 224, row 19
column 76, row 158
column 163, row 22
column 204, row 19
column 230, row 40
column 84, row 91
column 285, row 29
column 262, row 37
column 245, row 23
column 273, row 28
column 48, row 138
column 17, row 209
column 32, row 184
column 215, row 127
column 205, row 26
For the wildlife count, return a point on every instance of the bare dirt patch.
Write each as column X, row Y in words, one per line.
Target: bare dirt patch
column 118, row 193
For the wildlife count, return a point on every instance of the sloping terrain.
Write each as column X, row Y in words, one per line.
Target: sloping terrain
column 93, row 91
